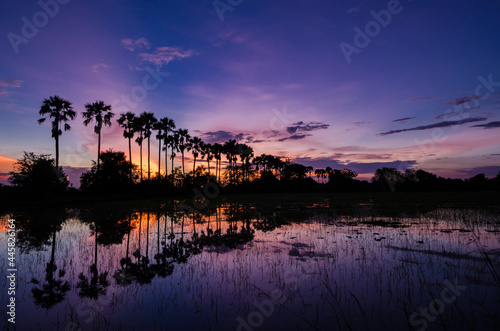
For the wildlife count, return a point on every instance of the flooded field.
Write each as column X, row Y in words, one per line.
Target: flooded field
column 314, row 265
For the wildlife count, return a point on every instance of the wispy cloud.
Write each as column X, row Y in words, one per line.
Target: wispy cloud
column 222, row 136
column 359, row 167
column 490, row 125
column 358, row 124
column 306, row 127
column 132, row 45
column 96, row 67
column 423, row 99
column 403, row 120
column 355, row 9
column 454, row 113
column 164, row 55
column 9, row 83
column 462, row 100
column 436, row 125
column 294, row 137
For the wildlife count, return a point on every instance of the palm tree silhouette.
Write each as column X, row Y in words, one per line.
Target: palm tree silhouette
column 126, row 121
column 207, row 151
column 171, row 141
column 101, row 114
column 148, row 121
column 182, row 137
column 168, row 126
column 60, row 111
column 138, row 124
column 33, row 234
column 195, row 147
column 217, row 151
column 163, row 126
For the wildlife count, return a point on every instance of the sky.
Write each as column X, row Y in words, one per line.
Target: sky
column 345, row 84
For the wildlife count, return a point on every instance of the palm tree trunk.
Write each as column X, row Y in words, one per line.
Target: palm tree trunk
column 149, row 158
column 52, row 255
column 141, row 159
column 183, row 172
column 57, row 152
column 147, row 236
column 95, row 248
column 194, row 165
column 159, row 157
column 171, row 156
column 98, row 149
column 166, row 161
column 130, row 156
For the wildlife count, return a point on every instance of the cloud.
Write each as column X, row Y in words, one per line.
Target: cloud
column 462, row 100
column 164, row 55
column 10, row 83
column 217, row 136
column 96, row 67
column 361, row 168
column 436, row 125
column 403, row 120
column 364, row 156
column 222, row 136
column 423, row 99
column 355, row 9
column 294, row 137
column 133, row 45
column 360, row 123
column 454, row 113
column 490, row 125
column 306, row 127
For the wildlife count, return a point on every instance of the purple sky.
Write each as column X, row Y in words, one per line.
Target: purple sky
column 328, row 83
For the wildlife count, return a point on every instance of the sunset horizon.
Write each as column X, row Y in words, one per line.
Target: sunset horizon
column 361, row 90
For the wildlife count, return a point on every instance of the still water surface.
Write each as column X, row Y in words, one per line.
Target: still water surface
column 244, row 266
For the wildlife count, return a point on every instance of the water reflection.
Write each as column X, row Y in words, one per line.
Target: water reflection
column 34, row 232
column 331, row 266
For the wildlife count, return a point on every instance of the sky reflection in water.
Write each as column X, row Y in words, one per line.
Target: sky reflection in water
column 305, row 266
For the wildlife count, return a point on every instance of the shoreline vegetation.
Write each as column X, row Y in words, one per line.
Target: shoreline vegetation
column 228, row 168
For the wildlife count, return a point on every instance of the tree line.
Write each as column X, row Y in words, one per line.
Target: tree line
column 243, row 171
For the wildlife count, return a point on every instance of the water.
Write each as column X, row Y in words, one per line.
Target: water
column 256, row 266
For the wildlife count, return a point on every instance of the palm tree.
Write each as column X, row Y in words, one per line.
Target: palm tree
column 195, row 147
column 139, row 128
column 163, row 126
column 126, row 121
column 182, row 138
column 206, row 150
column 168, row 126
column 246, row 153
column 101, row 114
column 60, row 111
column 172, row 142
column 231, row 150
column 217, row 152
column 159, row 136
column 149, row 121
